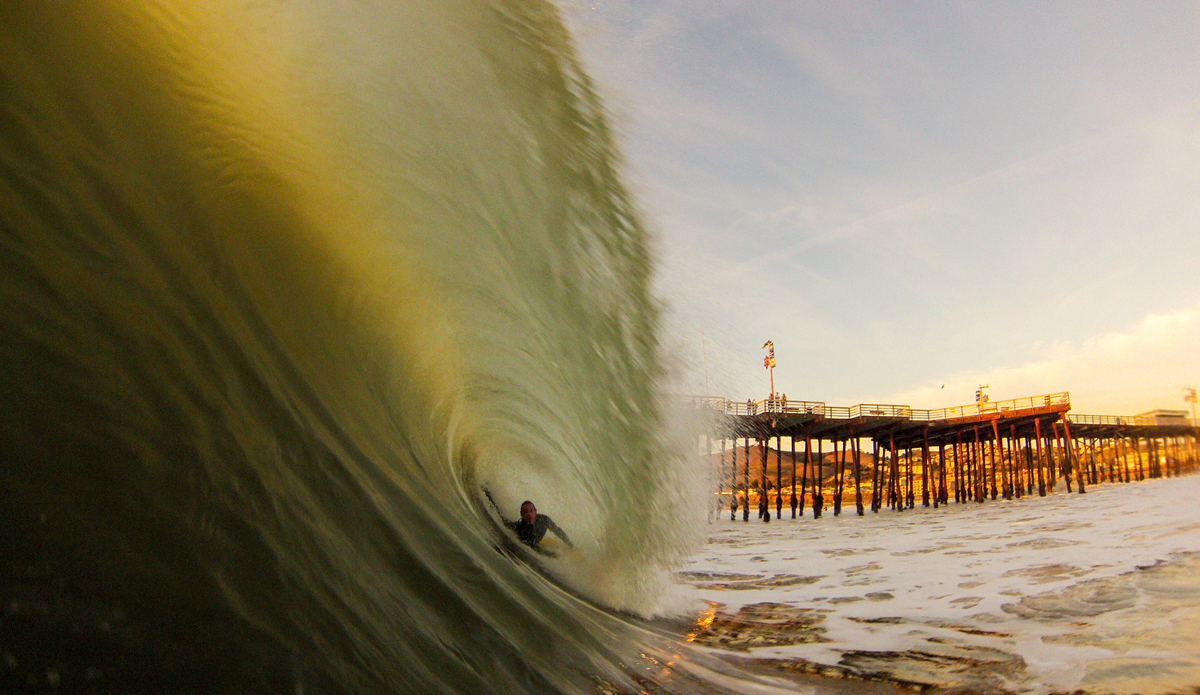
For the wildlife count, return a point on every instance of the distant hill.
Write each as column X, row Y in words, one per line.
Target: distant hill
column 723, row 461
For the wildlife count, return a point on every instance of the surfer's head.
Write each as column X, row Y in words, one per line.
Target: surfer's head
column 528, row 512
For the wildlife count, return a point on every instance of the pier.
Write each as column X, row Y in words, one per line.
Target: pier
column 973, row 453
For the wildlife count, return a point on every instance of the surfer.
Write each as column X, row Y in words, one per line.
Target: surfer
column 532, row 527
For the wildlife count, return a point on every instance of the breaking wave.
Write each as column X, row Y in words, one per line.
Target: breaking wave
column 286, row 286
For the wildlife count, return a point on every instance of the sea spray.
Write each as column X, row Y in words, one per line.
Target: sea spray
column 285, row 287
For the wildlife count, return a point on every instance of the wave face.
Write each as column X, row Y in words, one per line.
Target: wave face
column 286, row 285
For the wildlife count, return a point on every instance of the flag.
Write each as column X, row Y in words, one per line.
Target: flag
column 769, row 360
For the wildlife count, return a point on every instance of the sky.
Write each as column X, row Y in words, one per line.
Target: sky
column 913, row 199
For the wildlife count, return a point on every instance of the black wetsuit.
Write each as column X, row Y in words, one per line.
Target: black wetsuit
column 532, row 534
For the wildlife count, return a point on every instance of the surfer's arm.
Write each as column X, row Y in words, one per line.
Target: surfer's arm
column 559, row 532
column 488, row 493
column 510, row 524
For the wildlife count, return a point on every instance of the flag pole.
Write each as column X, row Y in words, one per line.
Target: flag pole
column 769, row 363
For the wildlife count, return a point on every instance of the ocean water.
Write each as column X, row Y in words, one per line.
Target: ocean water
column 1095, row 593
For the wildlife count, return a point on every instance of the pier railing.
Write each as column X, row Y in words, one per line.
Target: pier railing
column 1099, row 420
column 782, row 406
column 1048, row 400
column 785, row 406
column 870, row 410
column 1123, row 420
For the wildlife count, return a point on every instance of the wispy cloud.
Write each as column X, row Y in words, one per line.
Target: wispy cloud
column 1113, row 373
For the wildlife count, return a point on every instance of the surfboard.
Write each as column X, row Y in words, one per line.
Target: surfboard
column 553, row 544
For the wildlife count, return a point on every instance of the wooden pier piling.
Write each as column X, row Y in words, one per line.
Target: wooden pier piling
column 793, row 441
column 778, row 476
column 746, row 486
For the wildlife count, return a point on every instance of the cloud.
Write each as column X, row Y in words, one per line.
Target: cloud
column 1117, row 373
